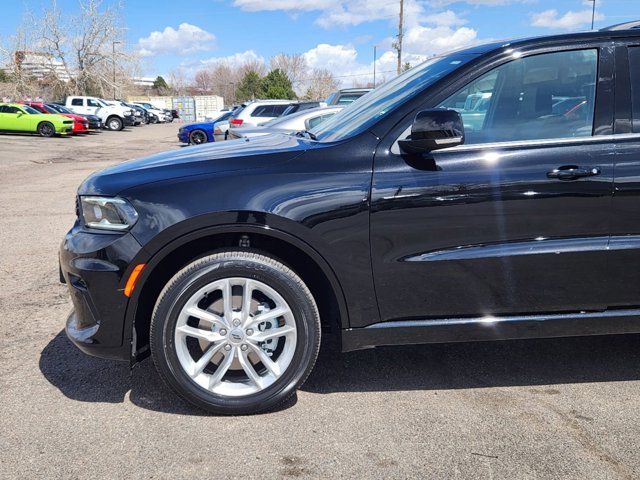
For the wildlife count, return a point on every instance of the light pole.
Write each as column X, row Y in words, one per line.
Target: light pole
column 375, row 55
column 593, row 13
column 113, row 58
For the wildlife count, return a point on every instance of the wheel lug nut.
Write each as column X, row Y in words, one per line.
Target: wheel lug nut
column 236, row 322
column 249, row 331
column 223, row 332
column 227, row 347
column 243, row 347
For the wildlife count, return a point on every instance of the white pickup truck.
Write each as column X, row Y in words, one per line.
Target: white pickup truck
column 114, row 117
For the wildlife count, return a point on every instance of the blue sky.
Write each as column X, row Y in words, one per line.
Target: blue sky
column 337, row 34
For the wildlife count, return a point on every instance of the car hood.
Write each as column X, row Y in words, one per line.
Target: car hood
column 257, row 131
column 198, row 125
column 206, row 159
column 55, row 117
column 75, row 116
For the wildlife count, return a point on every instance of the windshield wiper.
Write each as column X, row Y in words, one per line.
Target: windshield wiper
column 306, row 134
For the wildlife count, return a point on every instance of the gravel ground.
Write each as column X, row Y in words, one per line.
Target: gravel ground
column 563, row 408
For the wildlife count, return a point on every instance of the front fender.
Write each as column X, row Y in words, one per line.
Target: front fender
column 155, row 252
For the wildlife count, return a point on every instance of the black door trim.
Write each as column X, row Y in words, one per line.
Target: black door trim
column 445, row 330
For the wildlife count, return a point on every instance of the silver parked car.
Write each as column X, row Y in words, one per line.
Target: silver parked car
column 304, row 120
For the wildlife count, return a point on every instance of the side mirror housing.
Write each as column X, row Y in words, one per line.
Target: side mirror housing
column 433, row 130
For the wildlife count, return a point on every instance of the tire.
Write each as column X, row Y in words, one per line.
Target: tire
column 115, row 124
column 46, row 129
column 197, row 137
column 235, row 392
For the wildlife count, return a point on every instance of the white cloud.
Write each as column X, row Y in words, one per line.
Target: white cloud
column 339, row 13
column 186, row 39
column 447, row 18
column 271, row 5
column 486, row 3
column 237, row 59
column 431, row 41
column 420, row 43
column 570, row 20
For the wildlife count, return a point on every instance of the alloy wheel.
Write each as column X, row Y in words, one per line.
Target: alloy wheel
column 198, row 137
column 235, row 336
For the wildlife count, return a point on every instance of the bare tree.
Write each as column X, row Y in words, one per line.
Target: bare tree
column 12, row 53
column 178, row 82
column 203, row 82
column 294, row 66
column 65, row 53
column 321, row 83
column 254, row 65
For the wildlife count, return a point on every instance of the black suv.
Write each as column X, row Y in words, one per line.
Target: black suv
column 491, row 193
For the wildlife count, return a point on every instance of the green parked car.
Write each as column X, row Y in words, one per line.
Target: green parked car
column 22, row 118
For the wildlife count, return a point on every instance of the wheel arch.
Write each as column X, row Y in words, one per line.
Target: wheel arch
column 46, row 121
column 201, row 130
column 162, row 264
column 112, row 115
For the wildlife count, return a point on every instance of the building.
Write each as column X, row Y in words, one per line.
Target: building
column 41, row 65
column 146, row 82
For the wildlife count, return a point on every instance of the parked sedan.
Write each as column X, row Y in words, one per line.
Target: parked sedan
column 201, row 132
column 140, row 111
column 304, row 120
column 80, row 124
column 95, row 123
column 15, row 117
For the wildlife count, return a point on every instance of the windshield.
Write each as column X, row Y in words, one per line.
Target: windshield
column 30, row 110
column 368, row 109
column 59, row 108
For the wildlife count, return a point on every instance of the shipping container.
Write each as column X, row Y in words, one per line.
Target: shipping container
column 186, row 107
column 208, row 106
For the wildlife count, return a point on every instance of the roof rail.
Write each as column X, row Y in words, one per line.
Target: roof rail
column 622, row 26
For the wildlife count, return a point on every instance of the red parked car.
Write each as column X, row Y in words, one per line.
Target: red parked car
column 80, row 123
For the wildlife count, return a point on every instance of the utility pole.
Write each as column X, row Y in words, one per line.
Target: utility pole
column 593, row 13
column 113, row 58
column 398, row 43
column 375, row 55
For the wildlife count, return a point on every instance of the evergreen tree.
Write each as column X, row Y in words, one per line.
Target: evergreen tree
column 277, row 85
column 250, row 86
column 160, row 84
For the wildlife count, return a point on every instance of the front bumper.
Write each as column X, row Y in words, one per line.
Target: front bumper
column 94, row 267
column 183, row 136
column 129, row 120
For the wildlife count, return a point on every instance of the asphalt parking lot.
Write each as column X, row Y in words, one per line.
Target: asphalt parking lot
column 562, row 408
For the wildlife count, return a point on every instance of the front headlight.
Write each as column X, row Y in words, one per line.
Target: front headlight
column 127, row 113
column 107, row 213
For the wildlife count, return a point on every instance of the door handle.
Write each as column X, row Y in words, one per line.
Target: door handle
column 572, row 172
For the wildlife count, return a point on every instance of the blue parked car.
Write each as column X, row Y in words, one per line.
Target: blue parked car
column 202, row 132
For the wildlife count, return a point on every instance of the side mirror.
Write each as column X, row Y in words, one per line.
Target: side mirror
column 432, row 130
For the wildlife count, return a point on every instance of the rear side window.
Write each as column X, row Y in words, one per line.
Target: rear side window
column 76, row 102
column 347, row 98
column 550, row 95
column 315, row 121
column 279, row 110
column 262, row 111
column 634, row 67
